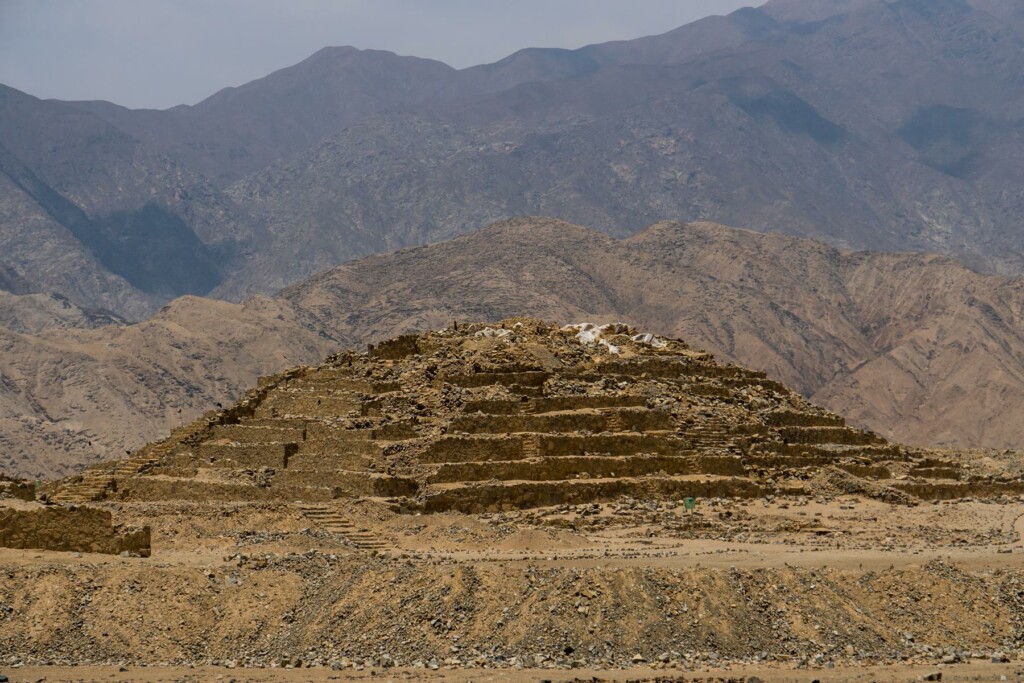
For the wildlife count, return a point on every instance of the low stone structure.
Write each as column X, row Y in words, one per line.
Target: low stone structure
column 73, row 528
column 484, row 418
column 17, row 489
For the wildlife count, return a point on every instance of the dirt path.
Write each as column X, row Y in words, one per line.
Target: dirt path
column 960, row 673
column 749, row 556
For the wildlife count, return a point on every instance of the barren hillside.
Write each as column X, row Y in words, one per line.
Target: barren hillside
column 916, row 347
column 887, row 126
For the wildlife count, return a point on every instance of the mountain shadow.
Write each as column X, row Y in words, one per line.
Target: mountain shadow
column 154, row 250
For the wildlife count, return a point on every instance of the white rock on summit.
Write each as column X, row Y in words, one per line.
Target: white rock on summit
column 589, row 333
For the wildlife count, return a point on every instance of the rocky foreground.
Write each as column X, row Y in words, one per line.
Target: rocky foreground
column 790, row 584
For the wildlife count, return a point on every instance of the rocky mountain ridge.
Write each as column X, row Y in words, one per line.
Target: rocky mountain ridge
column 869, row 124
column 917, row 347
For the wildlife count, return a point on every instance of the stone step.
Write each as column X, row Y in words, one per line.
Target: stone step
column 626, row 419
column 829, row 435
column 245, row 456
column 83, row 495
column 552, row 404
column 528, row 378
column 334, row 522
column 308, row 405
column 594, row 467
column 253, row 434
column 96, row 484
column 476, row 498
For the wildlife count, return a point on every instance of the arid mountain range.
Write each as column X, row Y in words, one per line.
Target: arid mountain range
column 917, row 347
column 871, row 124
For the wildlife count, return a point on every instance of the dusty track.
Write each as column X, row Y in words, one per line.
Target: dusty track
column 256, row 584
column 960, row 673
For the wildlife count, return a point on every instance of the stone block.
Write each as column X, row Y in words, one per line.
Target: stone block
column 78, row 529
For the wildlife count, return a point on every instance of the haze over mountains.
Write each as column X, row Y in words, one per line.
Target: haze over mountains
column 890, row 125
column 918, row 347
column 871, row 125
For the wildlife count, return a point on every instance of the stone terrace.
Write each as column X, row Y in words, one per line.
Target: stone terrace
column 520, row 414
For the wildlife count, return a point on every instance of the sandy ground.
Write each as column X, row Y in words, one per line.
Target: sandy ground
column 849, row 532
column 261, row 578
column 958, row 673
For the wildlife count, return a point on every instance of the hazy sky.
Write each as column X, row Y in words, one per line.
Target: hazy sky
column 158, row 53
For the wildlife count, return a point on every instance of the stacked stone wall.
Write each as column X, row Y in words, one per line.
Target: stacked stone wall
column 246, row 456
column 19, row 490
column 328, row 460
column 829, row 435
column 246, row 433
column 397, row 348
column 306, row 403
column 571, row 467
column 635, row 420
column 347, row 484
column 794, row 419
column 954, row 490
column 81, row 529
column 607, row 444
column 494, row 498
column 483, row 379
column 159, row 488
column 463, row 449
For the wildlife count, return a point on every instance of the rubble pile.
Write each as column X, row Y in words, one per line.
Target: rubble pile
column 274, row 610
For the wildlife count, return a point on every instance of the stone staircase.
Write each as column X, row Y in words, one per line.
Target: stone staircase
column 531, row 447
column 715, row 435
column 313, row 438
column 97, row 482
column 329, row 519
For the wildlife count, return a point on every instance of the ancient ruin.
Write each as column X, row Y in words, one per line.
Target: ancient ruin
column 74, row 528
column 519, row 414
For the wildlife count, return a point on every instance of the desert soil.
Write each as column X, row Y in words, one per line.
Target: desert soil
column 833, row 588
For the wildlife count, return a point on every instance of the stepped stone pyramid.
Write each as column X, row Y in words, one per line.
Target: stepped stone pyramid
column 519, row 414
